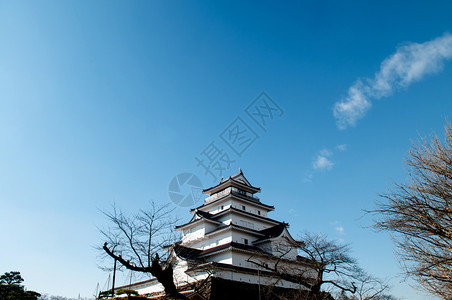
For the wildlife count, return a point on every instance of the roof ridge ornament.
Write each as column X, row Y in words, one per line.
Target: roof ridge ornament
column 236, row 179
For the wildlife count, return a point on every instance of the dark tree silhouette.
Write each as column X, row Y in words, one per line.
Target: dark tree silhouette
column 11, row 288
column 12, row 277
column 137, row 243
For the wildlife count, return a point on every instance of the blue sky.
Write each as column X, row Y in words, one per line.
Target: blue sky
column 107, row 101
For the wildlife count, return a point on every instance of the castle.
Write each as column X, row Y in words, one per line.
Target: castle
column 231, row 241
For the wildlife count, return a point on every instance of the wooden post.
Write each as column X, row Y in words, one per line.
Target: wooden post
column 113, row 285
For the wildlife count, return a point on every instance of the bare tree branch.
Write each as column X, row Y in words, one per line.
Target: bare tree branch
column 137, row 243
column 419, row 215
column 324, row 263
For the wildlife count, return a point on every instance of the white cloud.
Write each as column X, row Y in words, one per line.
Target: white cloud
column 410, row 63
column 326, row 152
column 323, row 160
column 339, row 229
column 308, row 178
column 322, row 163
column 342, row 147
column 353, row 107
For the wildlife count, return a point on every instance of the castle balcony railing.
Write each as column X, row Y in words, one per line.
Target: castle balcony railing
column 243, row 195
column 231, row 191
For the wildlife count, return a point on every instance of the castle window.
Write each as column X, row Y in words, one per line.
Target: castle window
column 243, row 207
column 245, row 241
column 259, row 212
column 222, row 207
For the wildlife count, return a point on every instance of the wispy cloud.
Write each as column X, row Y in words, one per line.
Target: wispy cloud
column 410, row 63
column 339, row 229
column 293, row 212
column 342, row 147
column 308, row 178
column 322, row 161
column 326, row 152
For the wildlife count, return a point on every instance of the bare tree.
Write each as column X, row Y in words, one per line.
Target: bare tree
column 368, row 287
column 371, row 288
column 419, row 215
column 324, row 263
column 331, row 263
column 138, row 243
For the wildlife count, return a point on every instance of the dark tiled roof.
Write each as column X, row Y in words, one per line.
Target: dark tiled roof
column 272, row 232
column 240, row 173
column 186, row 252
column 230, row 226
column 275, row 230
column 204, row 214
column 233, row 245
column 214, row 216
column 267, row 233
column 305, row 260
column 231, row 267
column 195, row 254
column 251, row 214
column 232, row 179
column 246, row 198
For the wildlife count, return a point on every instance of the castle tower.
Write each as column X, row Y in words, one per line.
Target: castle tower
column 232, row 242
column 233, row 221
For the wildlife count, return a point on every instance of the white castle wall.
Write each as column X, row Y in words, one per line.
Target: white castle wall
column 219, row 239
column 248, row 221
column 193, row 233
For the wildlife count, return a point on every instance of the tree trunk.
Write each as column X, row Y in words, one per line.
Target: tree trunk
column 164, row 274
column 165, row 277
column 315, row 288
